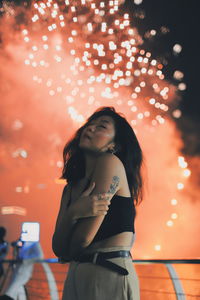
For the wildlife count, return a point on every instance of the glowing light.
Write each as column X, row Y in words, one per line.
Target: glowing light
column 186, row 173
column 147, row 114
column 34, row 48
column 130, row 102
column 152, row 101
column 58, row 48
column 26, row 39
column 134, row 96
column 25, row 32
column 89, row 26
column 153, row 62
column 45, row 46
column 182, row 163
column 157, row 247
column 180, row 186
column 73, row 52
column 177, row 48
column 133, row 122
column 143, row 70
column 35, row 18
column 13, row 210
column 62, row 24
column 42, row 63
column 176, row 113
column 174, row 216
column 140, row 116
column 174, row 202
column 23, row 153
column 182, row 86
column 70, row 39
column 59, row 164
column 137, row 73
column 19, row 189
column 159, row 73
column 59, row 89
column 138, row 2
column 27, row 62
column 137, row 89
column 20, row 152
column 17, row 124
column 170, row 223
column 134, row 108
column 178, row 75
column 153, row 32
column 51, row 92
column 74, row 115
column 57, row 58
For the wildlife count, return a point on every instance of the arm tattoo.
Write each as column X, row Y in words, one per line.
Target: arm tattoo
column 114, row 185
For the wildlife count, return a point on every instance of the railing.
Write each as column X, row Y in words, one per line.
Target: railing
column 159, row 279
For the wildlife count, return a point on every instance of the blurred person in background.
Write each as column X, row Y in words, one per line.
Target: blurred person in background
column 24, row 253
column 3, row 249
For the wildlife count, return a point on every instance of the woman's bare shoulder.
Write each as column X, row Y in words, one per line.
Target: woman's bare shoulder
column 110, row 161
column 109, row 158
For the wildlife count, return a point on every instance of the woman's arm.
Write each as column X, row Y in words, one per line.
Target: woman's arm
column 106, row 175
column 65, row 222
column 86, row 206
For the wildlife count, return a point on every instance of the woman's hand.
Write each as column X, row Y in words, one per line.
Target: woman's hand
column 91, row 205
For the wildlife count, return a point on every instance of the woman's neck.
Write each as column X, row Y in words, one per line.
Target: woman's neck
column 90, row 162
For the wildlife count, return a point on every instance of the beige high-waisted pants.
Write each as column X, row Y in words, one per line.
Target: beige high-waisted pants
column 87, row 281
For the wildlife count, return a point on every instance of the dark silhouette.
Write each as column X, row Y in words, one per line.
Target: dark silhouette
column 3, row 248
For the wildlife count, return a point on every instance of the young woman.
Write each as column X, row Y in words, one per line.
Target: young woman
column 95, row 225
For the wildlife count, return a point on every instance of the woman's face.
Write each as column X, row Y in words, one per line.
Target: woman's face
column 98, row 135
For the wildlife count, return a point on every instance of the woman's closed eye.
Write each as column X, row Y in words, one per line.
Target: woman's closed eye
column 97, row 126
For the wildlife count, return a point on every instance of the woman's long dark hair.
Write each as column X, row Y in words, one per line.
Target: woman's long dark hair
column 126, row 146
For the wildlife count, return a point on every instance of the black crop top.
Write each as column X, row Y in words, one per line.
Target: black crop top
column 120, row 218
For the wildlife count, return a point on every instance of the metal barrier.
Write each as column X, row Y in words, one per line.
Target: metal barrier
column 49, row 275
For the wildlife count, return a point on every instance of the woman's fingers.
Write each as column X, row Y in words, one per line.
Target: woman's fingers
column 100, row 207
column 102, row 196
column 101, row 213
column 94, row 205
column 104, row 203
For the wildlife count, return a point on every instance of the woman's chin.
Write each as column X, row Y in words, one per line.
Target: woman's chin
column 89, row 150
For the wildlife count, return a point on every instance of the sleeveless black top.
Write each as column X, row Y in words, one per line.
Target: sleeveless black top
column 120, row 218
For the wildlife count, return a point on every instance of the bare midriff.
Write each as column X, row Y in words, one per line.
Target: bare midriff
column 124, row 239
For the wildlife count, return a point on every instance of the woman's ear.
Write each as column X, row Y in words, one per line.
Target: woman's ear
column 111, row 148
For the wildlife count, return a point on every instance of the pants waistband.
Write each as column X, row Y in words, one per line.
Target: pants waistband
column 100, row 258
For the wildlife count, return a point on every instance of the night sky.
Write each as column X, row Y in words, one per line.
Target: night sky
column 182, row 19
